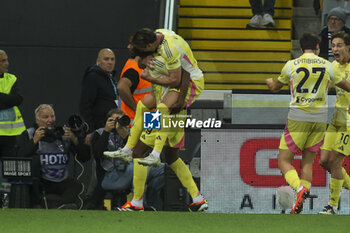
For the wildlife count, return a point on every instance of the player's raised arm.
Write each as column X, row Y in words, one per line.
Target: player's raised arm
column 274, row 85
column 172, row 80
column 344, row 84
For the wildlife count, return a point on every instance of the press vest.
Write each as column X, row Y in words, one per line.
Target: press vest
column 11, row 120
column 143, row 88
column 53, row 158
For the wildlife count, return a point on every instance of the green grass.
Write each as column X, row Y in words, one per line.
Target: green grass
column 70, row 221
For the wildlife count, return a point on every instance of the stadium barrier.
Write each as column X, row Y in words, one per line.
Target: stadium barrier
column 239, row 172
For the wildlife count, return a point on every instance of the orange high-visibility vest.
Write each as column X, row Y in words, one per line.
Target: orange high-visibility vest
column 143, row 88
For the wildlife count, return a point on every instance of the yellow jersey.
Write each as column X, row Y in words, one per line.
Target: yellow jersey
column 341, row 116
column 309, row 76
column 172, row 53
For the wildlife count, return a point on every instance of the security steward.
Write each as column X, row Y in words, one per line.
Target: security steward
column 131, row 87
column 11, row 121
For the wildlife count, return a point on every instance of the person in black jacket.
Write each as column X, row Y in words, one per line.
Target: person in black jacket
column 99, row 92
column 51, row 148
column 336, row 23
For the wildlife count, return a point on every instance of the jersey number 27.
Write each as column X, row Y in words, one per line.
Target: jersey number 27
column 322, row 71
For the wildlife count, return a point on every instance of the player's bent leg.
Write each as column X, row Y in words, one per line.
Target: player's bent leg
column 183, row 173
column 306, row 164
column 285, row 158
column 195, row 89
column 303, row 191
column 145, row 104
column 162, row 134
column 328, row 143
column 324, row 159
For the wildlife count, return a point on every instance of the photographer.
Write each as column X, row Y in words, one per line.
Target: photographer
column 51, row 148
column 116, row 175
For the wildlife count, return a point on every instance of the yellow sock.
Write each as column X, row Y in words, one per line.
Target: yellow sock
column 139, row 180
column 162, row 134
column 292, row 179
column 335, row 188
column 185, row 177
column 346, row 176
column 136, row 129
column 306, row 184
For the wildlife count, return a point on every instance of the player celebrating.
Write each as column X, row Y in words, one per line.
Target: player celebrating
column 165, row 54
column 335, row 146
column 308, row 76
column 174, row 142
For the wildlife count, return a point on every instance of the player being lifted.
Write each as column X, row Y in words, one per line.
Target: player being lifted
column 166, row 54
column 169, row 62
column 308, row 76
column 335, row 146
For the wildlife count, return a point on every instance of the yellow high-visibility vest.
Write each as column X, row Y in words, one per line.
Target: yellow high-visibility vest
column 11, row 120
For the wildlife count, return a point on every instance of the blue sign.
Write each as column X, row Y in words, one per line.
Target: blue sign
column 151, row 120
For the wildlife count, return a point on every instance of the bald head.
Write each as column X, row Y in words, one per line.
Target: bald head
column 106, row 60
column 4, row 62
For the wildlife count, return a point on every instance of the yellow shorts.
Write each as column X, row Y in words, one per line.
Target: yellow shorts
column 195, row 88
column 329, row 137
column 301, row 135
column 337, row 139
column 176, row 136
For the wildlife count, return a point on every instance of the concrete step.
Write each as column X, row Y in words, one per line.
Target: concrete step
column 295, row 44
column 306, row 24
column 304, row 12
column 303, row 3
column 305, row 20
column 268, row 34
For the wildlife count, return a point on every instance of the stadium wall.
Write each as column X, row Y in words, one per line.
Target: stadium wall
column 51, row 43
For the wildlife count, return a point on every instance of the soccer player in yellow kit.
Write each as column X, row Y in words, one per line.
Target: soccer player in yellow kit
column 166, row 69
column 308, row 76
column 171, row 148
column 166, row 55
column 335, row 146
column 175, row 141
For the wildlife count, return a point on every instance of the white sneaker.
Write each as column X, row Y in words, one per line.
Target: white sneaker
column 119, row 154
column 255, row 22
column 329, row 210
column 267, row 21
column 150, row 160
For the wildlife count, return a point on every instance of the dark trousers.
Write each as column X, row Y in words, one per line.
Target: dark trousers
column 258, row 8
column 95, row 201
column 68, row 189
column 7, row 146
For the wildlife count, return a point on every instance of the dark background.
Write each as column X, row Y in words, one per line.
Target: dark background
column 51, row 43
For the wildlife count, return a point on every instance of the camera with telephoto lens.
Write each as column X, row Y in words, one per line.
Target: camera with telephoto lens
column 78, row 126
column 122, row 120
column 52, row 135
